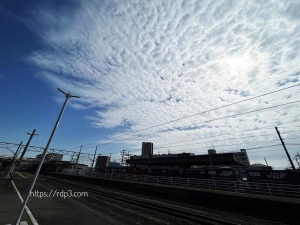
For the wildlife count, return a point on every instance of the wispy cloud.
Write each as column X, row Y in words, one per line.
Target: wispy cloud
column 145, row 63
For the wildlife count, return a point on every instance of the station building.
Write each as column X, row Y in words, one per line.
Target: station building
column 51, row 157
column 147, row 148
column 190, row 160
column 102, row 161
column 236, row 161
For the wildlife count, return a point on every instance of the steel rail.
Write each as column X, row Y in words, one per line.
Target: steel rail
column 177, row 211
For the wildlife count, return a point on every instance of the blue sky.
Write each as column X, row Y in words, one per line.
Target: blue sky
column 138, row 64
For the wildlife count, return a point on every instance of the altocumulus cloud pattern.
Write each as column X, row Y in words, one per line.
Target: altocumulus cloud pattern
column 142, row 63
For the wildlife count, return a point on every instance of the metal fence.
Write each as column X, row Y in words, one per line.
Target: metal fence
column 258, row 188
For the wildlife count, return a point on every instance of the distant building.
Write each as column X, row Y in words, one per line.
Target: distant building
column 211, row 151
column 242, row 157
column 258, row 166
column 102, row 161
column 190, row 160
column 77, row 166
column 51, row 157
column 114, row 164
column 147, row 148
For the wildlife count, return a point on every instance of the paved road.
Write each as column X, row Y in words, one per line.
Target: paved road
column 54, row 210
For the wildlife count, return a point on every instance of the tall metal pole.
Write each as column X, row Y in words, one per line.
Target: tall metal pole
column 123, row 154
column 94, row 158
column 297, row 162
column 28, row 142
column 78, row 157
column 12, row 163
column 286, row 151
column 266, row 162
column 21, row 157
column 67, row 95
column 128, row 155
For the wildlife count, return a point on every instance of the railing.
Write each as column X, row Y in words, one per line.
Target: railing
column 259, row 188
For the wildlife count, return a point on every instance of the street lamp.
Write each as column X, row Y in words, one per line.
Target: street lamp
column 67, row 95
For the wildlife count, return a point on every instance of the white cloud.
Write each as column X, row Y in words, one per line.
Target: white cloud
column 148, row 63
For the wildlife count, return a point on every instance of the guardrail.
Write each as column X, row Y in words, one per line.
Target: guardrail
column 259, row 188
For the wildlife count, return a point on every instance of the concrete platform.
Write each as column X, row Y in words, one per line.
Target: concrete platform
column 10, row 204
column 21, row 223
column 48, row 210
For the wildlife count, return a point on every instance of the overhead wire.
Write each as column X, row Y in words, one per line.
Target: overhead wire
column 210, row 110
column 231, row 139
column 225, row 139
column 182, row 118
column 211, row 120
column 194, row 149
column 234, row 151
column 247, row 143
column 225, row 134
column 206, row 122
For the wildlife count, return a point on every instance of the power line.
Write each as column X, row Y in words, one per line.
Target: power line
column 228, row 140
column 271, row 107
column 219, row 135
column 219, row 146
column 223, row 139
column 229, row 151
column 234, row 144
column 211, row 110
column 263, row 147
column 272, row 92
column 255, row 142
column 197, row 149
column 235, row 151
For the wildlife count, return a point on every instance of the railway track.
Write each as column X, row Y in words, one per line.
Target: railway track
column 180, row 212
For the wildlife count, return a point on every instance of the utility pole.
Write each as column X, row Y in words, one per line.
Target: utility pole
column 67, row 95
column 297, row 156
column 12, row 163
column 94, row 158
column 266, row 162
column 123, row 153
column 286, row 151
column 78, row 157
column 128, row 155
column 21, row 157
column 297, row 162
